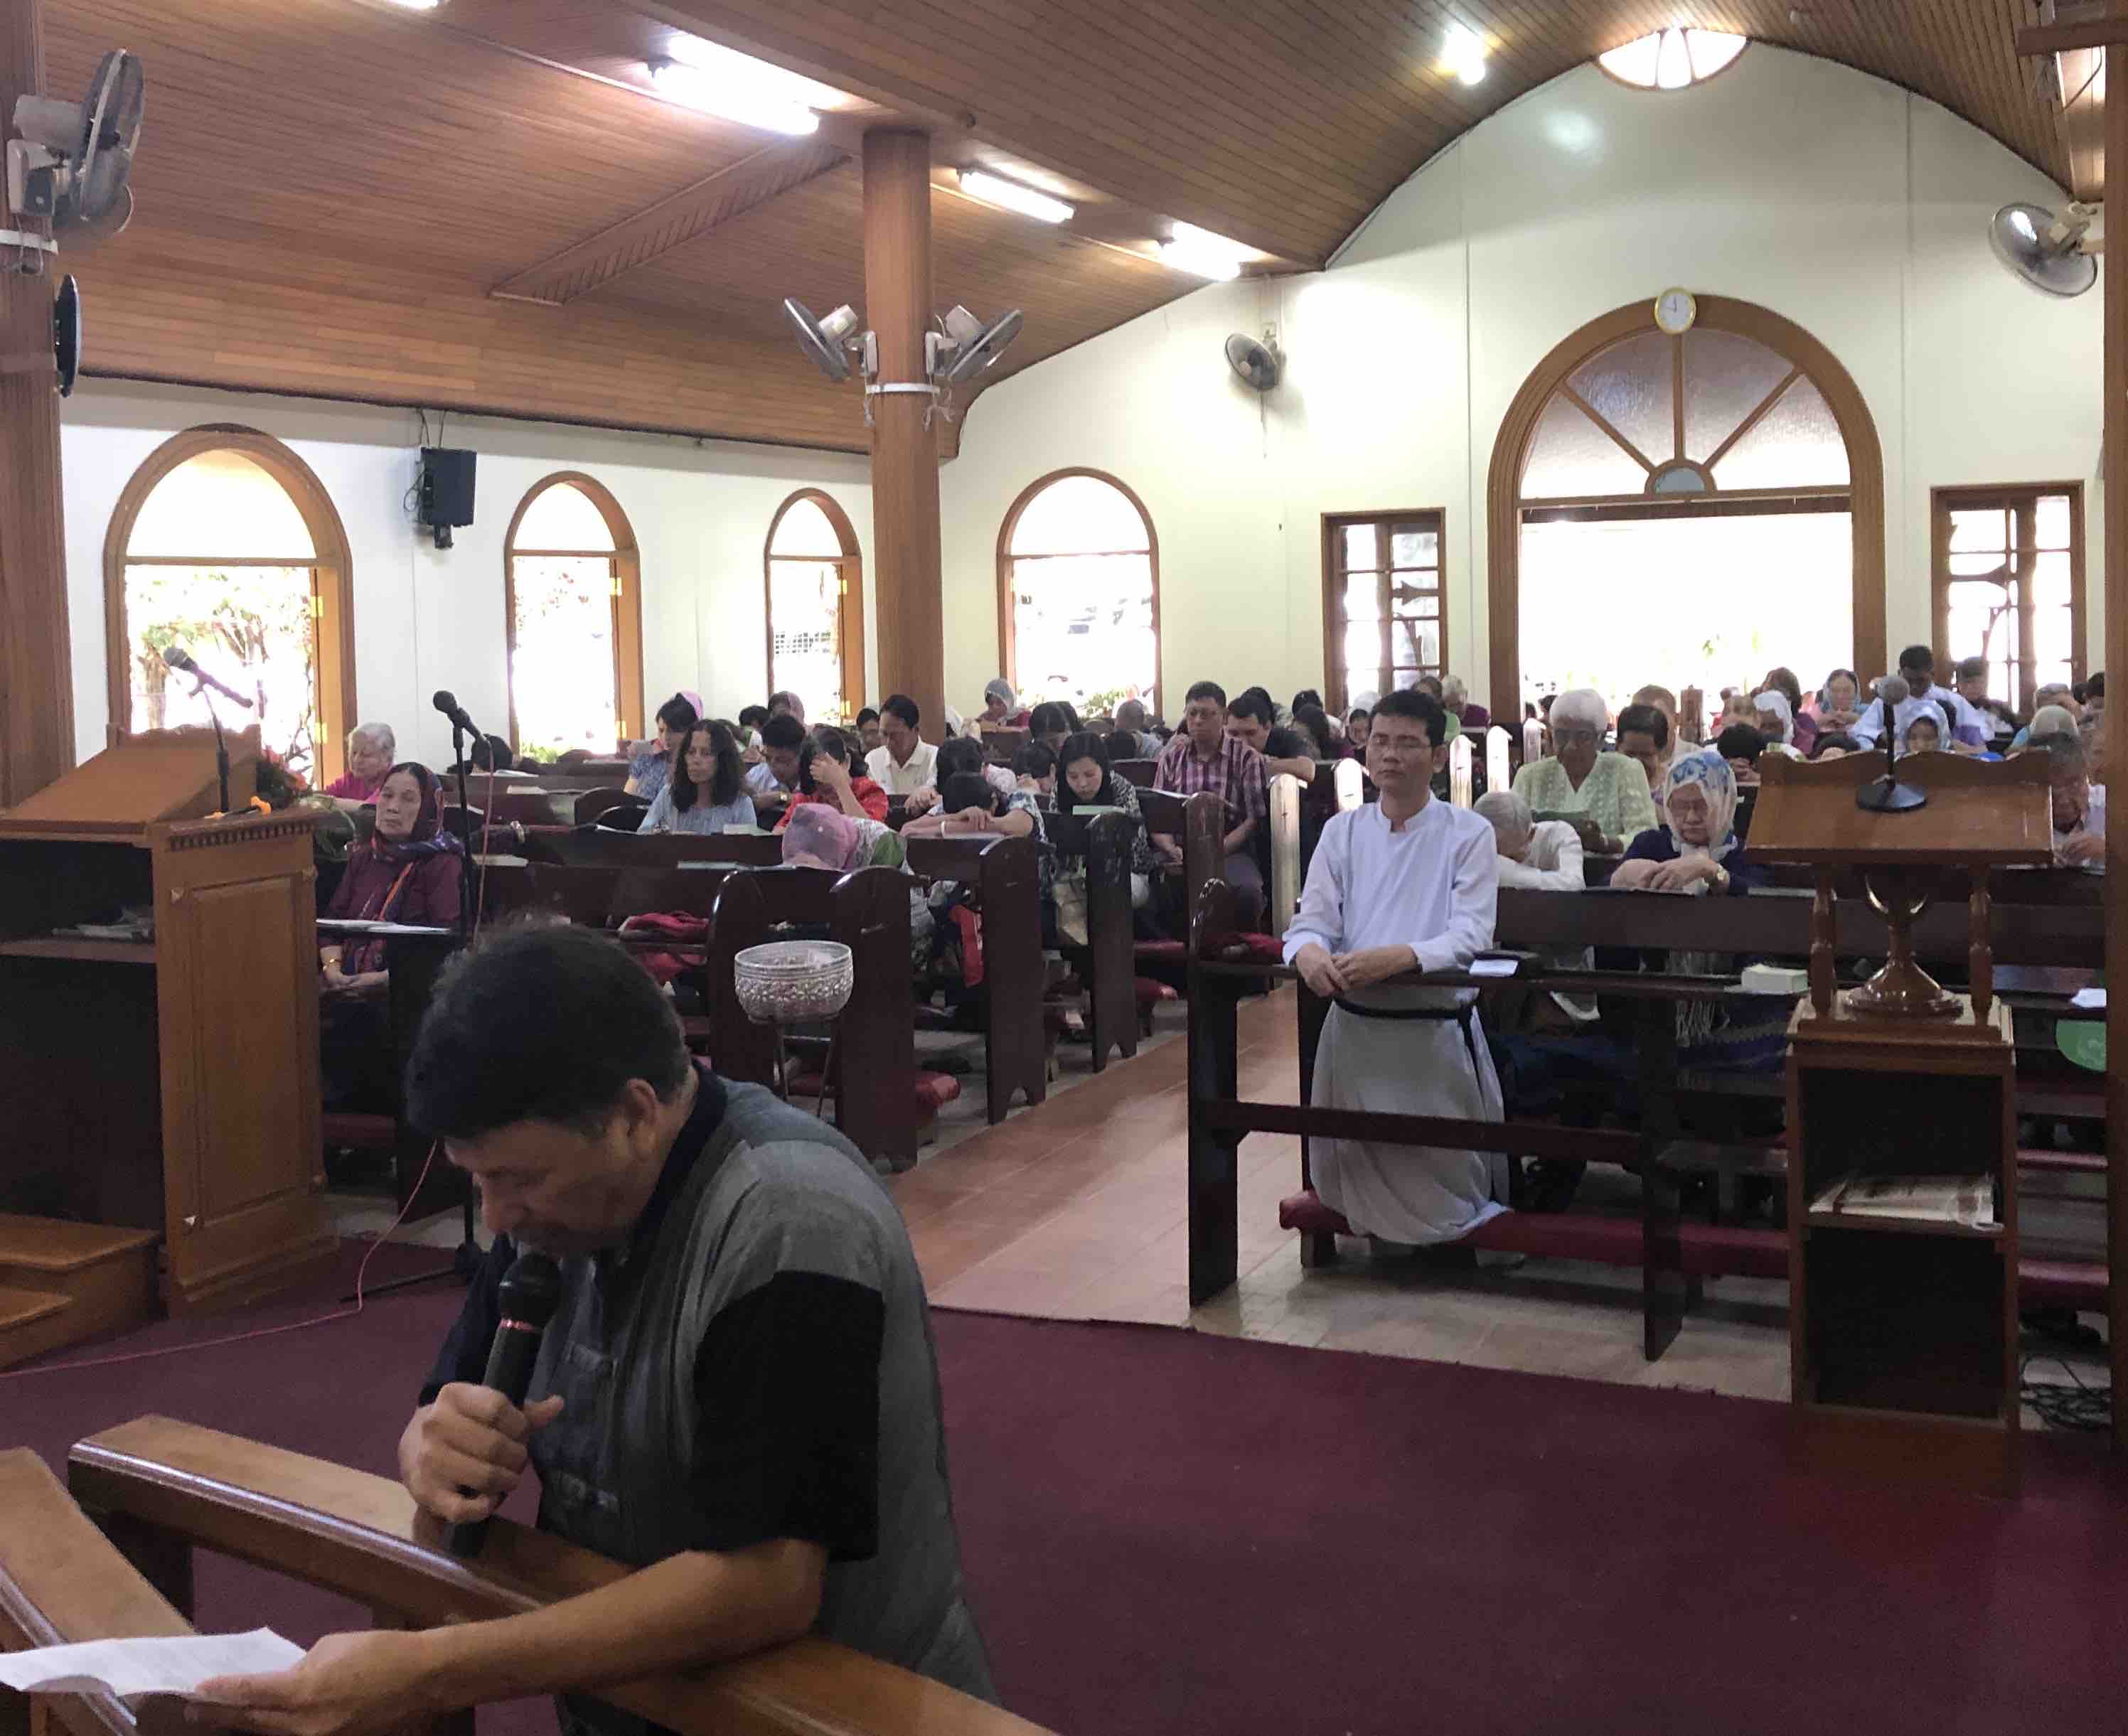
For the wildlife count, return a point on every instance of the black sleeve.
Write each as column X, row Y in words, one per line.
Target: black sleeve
column 1652, row 846
column 787, row 1391
column 464, row 1355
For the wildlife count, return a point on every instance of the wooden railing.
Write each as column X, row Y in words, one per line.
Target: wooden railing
column 182, row 1486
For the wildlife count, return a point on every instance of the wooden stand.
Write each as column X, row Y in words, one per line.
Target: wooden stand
column 1903, row 1332
column 168, row 1085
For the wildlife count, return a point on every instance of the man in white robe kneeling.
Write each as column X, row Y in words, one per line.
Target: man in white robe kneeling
column 1404, row 884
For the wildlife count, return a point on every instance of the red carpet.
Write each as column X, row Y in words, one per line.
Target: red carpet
column 1176, row 1534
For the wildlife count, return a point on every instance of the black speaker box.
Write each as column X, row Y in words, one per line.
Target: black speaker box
column 446, row 489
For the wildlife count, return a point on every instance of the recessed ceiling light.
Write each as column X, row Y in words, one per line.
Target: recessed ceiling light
column 1202, row 253
column 1463, row 52
column 721, row 81
column 993, row 190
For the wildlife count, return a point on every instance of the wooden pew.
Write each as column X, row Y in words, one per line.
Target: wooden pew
column 1137, row 772
column 587, row 846
column 2037, row 932
column 593, row 805
column 63, row 1582
column 1006, row 873
column 872, row 1073
column 1107, row 961
column 1001, row 747
column 177, row 1486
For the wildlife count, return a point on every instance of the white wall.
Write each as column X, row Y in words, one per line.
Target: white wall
column 1850, row 206
column 426, row 619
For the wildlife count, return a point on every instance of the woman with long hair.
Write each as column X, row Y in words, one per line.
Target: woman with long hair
column 705, row 790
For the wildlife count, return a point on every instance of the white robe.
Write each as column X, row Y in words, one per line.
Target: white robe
column 1431, row 887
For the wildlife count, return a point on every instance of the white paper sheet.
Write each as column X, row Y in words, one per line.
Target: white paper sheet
column 131, row 1667
column 2087, row 998
column 1494, row 966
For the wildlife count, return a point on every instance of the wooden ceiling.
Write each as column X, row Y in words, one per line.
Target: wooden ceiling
column 483, row 208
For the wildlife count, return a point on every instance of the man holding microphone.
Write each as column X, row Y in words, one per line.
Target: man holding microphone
column 736, row 1393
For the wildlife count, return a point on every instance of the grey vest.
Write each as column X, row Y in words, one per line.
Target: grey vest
column 616, row 1466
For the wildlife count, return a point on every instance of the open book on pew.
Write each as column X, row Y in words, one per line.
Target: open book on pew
column 140, row 1671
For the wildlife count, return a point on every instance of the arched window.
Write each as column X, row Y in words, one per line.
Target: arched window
column 1079, row 593
column 225, row 544
column 1686, row 510
column 572, row 585
column 815, row 582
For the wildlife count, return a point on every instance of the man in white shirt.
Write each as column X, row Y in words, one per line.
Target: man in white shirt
column 904, row 763
column 774, row 782
column 1403, row 884
column 1969, row 729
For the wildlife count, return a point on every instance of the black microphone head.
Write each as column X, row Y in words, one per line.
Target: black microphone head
column 532, row 1289
column 444, row 700
column 177, row 657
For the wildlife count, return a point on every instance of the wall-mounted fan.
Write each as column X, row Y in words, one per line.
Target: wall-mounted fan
column 1258, row 365
column 827, row 341
column 71, row 165
column 967, row 346
column 2051, row 252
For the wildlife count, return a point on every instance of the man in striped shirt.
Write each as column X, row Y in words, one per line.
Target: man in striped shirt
column 1204, row 756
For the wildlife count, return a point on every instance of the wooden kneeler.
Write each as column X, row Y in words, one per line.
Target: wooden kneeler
column 178, row 1486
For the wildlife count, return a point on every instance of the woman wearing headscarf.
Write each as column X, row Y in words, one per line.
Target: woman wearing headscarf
column 1776, row 721
column 820, row 837
column 1001, row 709
column 407, row 872
column 1698, row 851
column 1579, row 778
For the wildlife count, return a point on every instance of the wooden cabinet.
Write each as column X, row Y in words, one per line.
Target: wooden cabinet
column 1904, row 1333
column 171, row 1083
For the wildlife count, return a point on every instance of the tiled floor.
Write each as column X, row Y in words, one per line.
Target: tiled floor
column 1075, row 1210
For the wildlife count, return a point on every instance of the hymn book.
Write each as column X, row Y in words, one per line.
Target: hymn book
column 1964, row 1200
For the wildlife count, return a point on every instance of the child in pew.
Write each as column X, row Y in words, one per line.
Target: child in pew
column 958, row 754
column 1034, row 768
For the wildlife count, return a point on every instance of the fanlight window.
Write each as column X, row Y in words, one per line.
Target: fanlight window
column 1670, row 59
column 1709, row 412
column 220, row 563
column 1079, row 585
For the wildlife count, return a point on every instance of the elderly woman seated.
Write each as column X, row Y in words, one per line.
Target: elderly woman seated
column 1697, row 853
column 408, row 871
column 371, row 748
column 1540, row 855
column 1775, row 719
column 1608, row 789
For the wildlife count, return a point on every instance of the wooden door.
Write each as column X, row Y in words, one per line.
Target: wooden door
column 236, row 946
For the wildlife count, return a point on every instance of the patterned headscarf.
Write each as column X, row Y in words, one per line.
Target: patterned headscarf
column 1775, row 700
column 428, row 837
column 1708, row 772
column 817, row 835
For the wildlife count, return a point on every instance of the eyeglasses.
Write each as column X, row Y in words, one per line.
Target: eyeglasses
column 1576, row 738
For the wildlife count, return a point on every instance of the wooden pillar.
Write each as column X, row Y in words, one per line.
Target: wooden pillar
column 36, row 668
column 2115, row 272
column 905, row 451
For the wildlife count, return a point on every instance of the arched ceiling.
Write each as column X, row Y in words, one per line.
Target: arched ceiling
column 481, row 208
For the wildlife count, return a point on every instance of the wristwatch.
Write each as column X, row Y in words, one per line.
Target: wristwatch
column 1720, row 878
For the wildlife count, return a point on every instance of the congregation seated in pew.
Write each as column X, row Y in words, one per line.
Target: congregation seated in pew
column 650, row 762
column 371, row 750
column 408, row 871
column 961, row 755
column 1252, row 719
column 897, row 758
column 1085, row 781
column 1408, row 883
column 1204, row 756
column 706, row 791
column 2079, row 804
column 776, row 778
column 1034, row 769
column 1543, row 855
column 825, row 774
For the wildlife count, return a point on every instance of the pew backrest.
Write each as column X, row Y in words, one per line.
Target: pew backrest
column 349, row 1532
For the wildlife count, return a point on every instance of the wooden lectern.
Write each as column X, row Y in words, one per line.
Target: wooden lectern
column 167, row 1084
column 1903, row 1329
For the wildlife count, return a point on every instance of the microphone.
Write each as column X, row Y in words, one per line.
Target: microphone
column 180, row 659
column 447, row 703
column 531, row 1291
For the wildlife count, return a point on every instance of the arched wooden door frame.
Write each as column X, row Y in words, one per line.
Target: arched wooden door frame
column 851, row 565
column 628, row 598
column 1008, row 649
column 1858, row 429
column 333, row 559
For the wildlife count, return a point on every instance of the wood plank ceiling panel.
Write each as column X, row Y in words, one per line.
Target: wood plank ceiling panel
column 328, row 188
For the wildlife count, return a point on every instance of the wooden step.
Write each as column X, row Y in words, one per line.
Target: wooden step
column 31, row 1322
column 104, row 1276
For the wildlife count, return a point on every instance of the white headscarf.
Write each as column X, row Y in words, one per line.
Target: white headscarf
column 1717, row 781
column 1775, row 700
column 1905, row 714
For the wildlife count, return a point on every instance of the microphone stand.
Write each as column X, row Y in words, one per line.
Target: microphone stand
column 220, row 747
